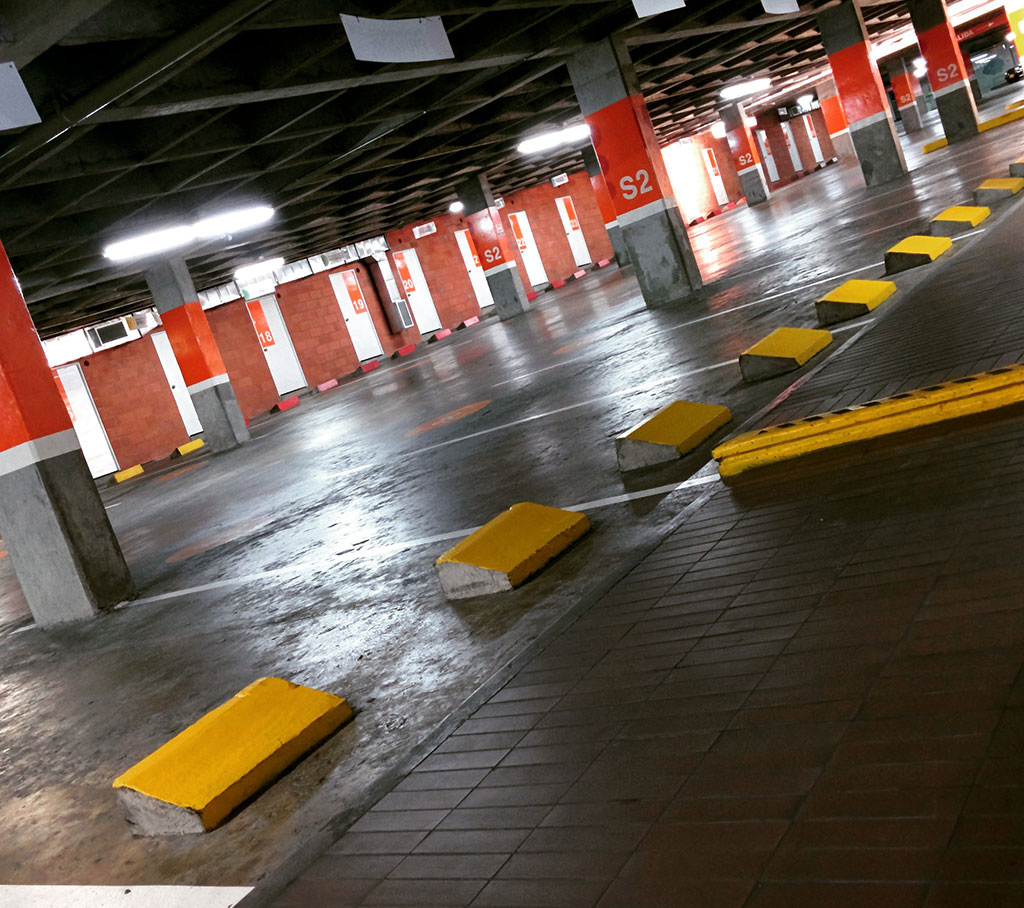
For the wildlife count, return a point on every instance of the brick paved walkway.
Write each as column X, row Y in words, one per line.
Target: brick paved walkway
column 810, row 694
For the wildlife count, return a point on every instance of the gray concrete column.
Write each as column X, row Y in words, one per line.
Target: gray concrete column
column 604, row 202
column 903, row 88
column 54, row 526
column 948, row 75
column 744, row 154
column 492, row 245
column 634, row 172
column 196, row 351
column 864, row 99
column 835, row 120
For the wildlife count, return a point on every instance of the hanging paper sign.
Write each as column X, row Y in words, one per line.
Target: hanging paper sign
column 397, row 40
column 560, row 180
column 653, row 7
column 424, row 230
column 16, row 107
column 777, row 7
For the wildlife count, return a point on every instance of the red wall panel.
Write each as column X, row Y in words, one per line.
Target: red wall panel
column 243, row 356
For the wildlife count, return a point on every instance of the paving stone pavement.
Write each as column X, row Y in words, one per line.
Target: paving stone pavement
column 809, row 694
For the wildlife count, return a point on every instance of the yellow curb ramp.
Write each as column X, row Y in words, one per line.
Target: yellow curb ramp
column 929, row 147
column 784, row 350
column 670, row 433
column 984, row 126
column 958, row 218
column 874, row 419
column 130, row 473
column 997, row 190
column 852, row 299
column 503, row 553
column 915, row 251
column 188, row 448
column 193, row 782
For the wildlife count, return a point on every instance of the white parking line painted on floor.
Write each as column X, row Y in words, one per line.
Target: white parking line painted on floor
column 127, row 896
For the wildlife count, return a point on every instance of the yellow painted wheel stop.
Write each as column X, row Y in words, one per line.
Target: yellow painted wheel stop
column 670, row 433
column 996, row 190
column 958, row 218
column 188, row 448
column 130, row 473
column 503, row 553
column 852, row 299
column 194, row 781
column 874, row 419
column 915, row 251
column 784, row 350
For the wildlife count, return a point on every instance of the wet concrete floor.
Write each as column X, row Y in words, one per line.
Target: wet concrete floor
column 308, row 553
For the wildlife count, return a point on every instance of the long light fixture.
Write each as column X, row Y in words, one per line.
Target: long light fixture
column 731, row 92
column 456, row 207
column 718, row 129
column 228, row 222
column 258, row 270
column 548, row 140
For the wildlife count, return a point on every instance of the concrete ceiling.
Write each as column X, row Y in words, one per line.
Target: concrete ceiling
column 158, row 111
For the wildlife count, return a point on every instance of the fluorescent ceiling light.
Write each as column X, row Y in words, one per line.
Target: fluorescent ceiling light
column 137, row 247
column 456, row 207
column 258, row 269
column 548, row 140
column 731, row 92
column 806, row 101
column 750, row 121
column 718, row 130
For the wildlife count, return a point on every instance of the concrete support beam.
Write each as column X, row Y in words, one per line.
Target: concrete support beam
column 864, row 99
column 835, row 120
column 492, row 244
column 196, row 351
column 53, row 523
column 604, row 202
column 634, row 172
column 947, row 73
column 745, row 154
column 903, row 87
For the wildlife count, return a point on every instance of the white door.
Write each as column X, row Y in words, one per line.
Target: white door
column 173, row 372
column 277, row 346
column 766, row 155
column 573, row 231
column 86, row 420
column 407, row 263
column 357, row 317
column 523, row 233
column 813, row 136
column 794, row 155
column 476, row 274
column 715, row 175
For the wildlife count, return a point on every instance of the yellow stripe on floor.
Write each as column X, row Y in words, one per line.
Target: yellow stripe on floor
column 503, row 553
column 189, row 447
column 874, row 419
column 194, row 781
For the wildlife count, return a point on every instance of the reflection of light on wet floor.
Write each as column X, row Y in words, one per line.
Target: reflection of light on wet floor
column 447, row 418
column 229, row 534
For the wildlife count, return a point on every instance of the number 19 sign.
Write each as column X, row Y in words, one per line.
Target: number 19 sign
column 629, row 171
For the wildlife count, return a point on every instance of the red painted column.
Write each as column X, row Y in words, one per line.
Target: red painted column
column 903, row 87
column 605, row 204
column 54, row 525
column 198, row 355
column 634, row 172
column 948, row 73
column 745, row 156
column 863, row 97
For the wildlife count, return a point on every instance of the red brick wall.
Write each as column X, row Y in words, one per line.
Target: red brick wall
column 243, row 356
column 769, row 121
column 824, row 139
column 441, row 261
column 134, row 401
column 725, row 166
column 803, row 144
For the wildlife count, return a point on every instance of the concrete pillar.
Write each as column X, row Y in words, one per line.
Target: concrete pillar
column 54, row 525
column 947, row 72
column 745, row 154
column 634, row 172
column 496, row 255
column 604, row 202
column 903, row 87
column 835, row 120
column 778, row 144
column 864, row 99
column 196, row 351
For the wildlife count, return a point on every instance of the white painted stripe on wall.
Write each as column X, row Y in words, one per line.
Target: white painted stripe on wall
column 208, row 383
column 611, row 224
column 869, row 121
column 748, row 169
column 497, row 269
column 30, row 452
column 954, row 86
column 648, row 210
column 126, row 896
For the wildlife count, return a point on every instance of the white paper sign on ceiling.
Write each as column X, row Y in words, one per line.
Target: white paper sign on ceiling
column 776, row 7
column 397, row 40
column 653, row 7
column 16, row 107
